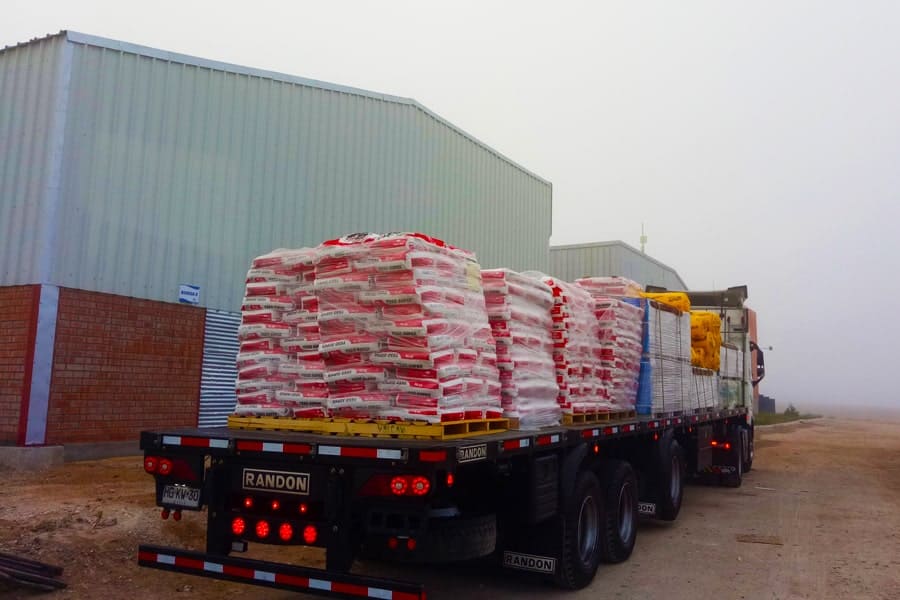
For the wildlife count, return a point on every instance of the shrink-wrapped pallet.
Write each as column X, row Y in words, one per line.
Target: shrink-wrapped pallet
column 611, row 287
column 666, row 383
column 404, row 330
column 706, row 388
column 620, row 329
column 576, row 351
column 519, row 312
column 279, row 370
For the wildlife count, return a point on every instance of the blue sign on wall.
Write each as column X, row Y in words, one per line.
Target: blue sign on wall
column 189, row 294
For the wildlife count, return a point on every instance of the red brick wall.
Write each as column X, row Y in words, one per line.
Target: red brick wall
column 18, row 317
column 122, row 365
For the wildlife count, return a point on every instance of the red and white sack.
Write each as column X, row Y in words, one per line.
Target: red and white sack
column 519, row 311
column 575, row 335
column 391, row 304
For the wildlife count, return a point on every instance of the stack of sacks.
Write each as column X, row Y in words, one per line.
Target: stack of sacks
column 731, row 363
column 706, row 338
column 620, row 333
column 519, row 311
column 404, row 330
column 576, row 351
column 614, row 287
column 667, row 360
column 279, row 368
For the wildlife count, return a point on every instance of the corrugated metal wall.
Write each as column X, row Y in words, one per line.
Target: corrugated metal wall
column 30, row 84
column 220, row 348
column 178, row 173
column 611, row 258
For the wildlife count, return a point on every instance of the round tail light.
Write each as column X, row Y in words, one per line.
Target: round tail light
column 238, row 526
column 310, row 534
column 286, row 532
column 262, row 529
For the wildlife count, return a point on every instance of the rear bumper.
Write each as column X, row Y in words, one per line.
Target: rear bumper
column 277, row 575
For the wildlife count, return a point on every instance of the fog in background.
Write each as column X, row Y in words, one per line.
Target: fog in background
column 759, row 143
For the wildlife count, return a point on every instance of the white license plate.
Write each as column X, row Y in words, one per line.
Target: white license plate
column 180, row 495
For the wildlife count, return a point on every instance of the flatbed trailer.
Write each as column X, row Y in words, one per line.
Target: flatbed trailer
column 558, row 501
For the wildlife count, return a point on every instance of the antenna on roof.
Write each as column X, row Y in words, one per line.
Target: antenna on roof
column 643, row 239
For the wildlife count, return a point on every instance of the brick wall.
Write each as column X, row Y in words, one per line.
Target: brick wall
column 18, row 317
column 122, row 365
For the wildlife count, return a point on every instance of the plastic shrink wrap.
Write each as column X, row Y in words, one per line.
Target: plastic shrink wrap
column 279, row 368
column 519, row 309
column 576, row 352
column 404, row 330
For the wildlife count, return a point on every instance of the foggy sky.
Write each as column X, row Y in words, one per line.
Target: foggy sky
column 758, row 142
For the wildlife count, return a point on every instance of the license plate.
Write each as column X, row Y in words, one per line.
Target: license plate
column 181, row 495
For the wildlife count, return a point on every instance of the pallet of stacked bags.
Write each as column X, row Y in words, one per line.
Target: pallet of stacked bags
column 519, row 312
column 583, row 394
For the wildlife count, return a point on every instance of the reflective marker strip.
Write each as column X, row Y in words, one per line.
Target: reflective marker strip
column 212, row 567
column 264, row 576
column 629, row 428
column 546, row 440
column 354, row 452
column 277, row 447
column 588, row 433
column 516, row 444
column 177, row 440
column 278, row 578
column 318, row 584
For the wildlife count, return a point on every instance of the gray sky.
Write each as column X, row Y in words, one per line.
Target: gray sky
column 759, row 142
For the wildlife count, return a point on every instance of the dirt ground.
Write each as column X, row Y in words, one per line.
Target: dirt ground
column 819, row 517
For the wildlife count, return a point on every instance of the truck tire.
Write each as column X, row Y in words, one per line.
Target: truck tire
column 669, row 479
column 581, row 531
column 735, row 479
column 748, row 456
column 458, row 539
column 619, row 526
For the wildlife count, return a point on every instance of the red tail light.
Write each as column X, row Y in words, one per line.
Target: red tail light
column 410, row 544
column 727, row 446
column 286, row 532
column 151, row 464
column 262, row 529
column 393, row 543
column 450, row 480
column 165, row 466
column 276, row 504
column 303, row 509
column 248, row 502
column 714, row 443
column 420, row 486
column 310, row 534
column 238, row 526
column 399, row 486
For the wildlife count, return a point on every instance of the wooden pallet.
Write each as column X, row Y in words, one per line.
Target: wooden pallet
column 597, row 417
column 417, row 430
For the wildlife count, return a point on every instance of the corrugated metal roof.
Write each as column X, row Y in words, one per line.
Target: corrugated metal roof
column 611, row 258
column 179, row 170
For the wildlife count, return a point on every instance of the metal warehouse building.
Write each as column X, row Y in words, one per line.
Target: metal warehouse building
column 127, row 172
column 602, row 259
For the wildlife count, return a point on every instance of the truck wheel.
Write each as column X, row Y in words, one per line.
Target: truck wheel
column 737, row 459
column 670, row 480
column 748, row 456
column 619, row 526
column 581, row 531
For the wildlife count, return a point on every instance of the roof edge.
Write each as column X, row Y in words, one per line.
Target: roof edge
column 140, row 50
column 622, row 244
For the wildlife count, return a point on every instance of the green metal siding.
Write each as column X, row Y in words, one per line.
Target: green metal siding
column 180, row 170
